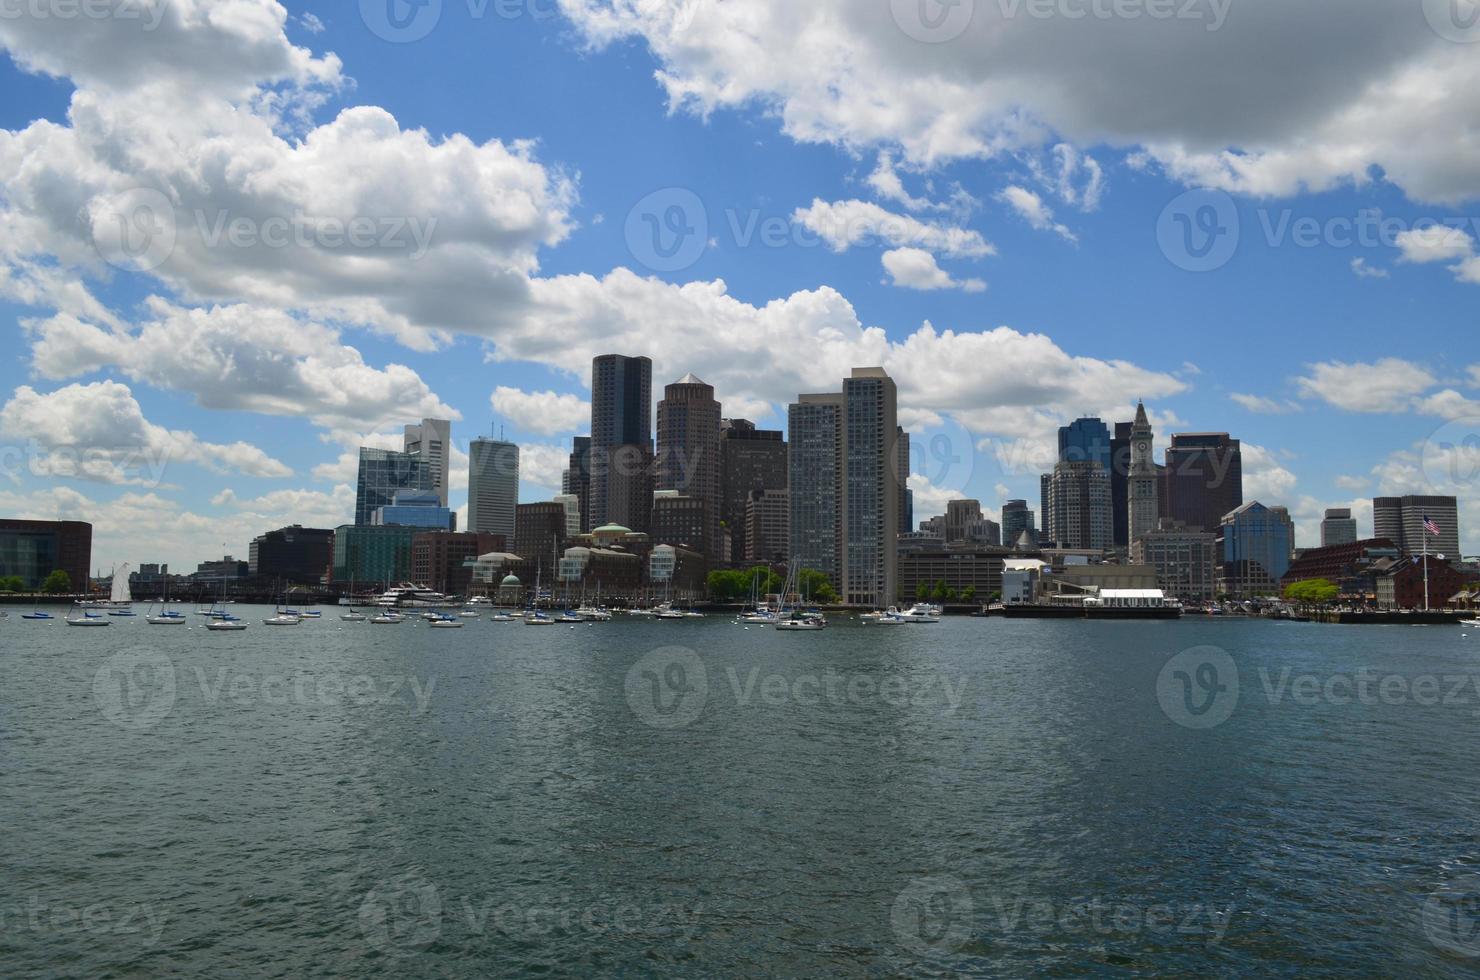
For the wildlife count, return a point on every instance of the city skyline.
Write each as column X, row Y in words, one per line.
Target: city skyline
column 223, row 385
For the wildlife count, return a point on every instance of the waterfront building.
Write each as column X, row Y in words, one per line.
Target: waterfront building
column 32, row 550
column 688, row 457
column 677, row 573
column 572, row 505
column 1401, row 584
column 1338, row 527
column 1203, row 479
column 1400, row 520
column 414, row 508
column 815, row 469
column 227, row 570
column 443, row 560
column 615, row 573
column 680, row 520
column 1185, row 559
column 382, row 473
column 1079, row 502
column 296, row 555
column 621, row 440
column 1352, row 567
column 975, row 572
column 768, row 526
column 902, row 471
column 431, row 442
column 493, row 486
column 365, row 554
column 1254, row 549
column 751, row 460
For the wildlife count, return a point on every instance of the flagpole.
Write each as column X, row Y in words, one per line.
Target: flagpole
column 1425, row 533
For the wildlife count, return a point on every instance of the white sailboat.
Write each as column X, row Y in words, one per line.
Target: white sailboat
column 120, row 599
column 166, row 616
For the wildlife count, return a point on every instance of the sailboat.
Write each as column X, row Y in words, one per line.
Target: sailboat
column 166, row 616
column 533, row 616
column 120, row 600
column 87, row 617
column 283, row 616
column 798, row 621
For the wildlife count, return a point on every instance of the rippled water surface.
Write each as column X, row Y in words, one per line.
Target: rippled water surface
column 696, row 798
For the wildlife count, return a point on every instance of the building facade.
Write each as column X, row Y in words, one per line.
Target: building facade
column 1254, row 549
column 364, row 555
column 688, row 457
column 870, row 513
column 1185, row 560
column 768, row 526
column 493, row 486
column 295, row 555
column 1352, row 567
column 540, row 534
column 415, row 508
column 1142, row 506
column 1080, row 502
column 576, row 480
column 1400, row 520
column 751, row 460
column 32, row 550
column 1338, row 527
column 680, row 520
column 443, row 561
column 1203, row 479
column 975, row 573
column 815, row 471
column 1017, row 518
column 431, row 441
column 621, row 440
column 382, row 473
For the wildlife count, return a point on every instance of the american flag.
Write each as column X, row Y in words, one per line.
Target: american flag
column 1430, row 526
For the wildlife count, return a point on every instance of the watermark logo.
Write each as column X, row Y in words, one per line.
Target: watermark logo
column 943, row 454
column 135, row 689
column 668, row 230
column 133, row 230
column 401, row 21
column 1454, row 20
column 933, row 21
column 1451, row 456
column 668, row 688
column 1199, row 688
column 932, row 916
column 1199, row 231
column 1451, row 917
column 402, row 915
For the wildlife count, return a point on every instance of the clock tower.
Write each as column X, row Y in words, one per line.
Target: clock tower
column 1141, row 482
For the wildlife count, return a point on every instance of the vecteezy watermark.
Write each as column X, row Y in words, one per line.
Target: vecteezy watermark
column 944, row 455
column 410, row 913
column 933, row 21
column 1450, row 458
column 1454, row 20
column 135, row 466
column 148, row 13
column 1201, row 688
column 136, row 689
column 937, row 917
column 405, row 21
column 940, row 21
column 133, row 229
column 1199, row 230
column 1451, row 917
column 668, row 230
column 98, row 921
column 670, row 688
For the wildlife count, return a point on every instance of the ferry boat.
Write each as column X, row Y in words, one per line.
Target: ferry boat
column 408, row 596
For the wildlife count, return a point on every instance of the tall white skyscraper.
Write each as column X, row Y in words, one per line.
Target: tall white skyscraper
column 431, row 441
column 493, row 487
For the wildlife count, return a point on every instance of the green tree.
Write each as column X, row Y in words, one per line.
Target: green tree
column 12, row 583
column 57, row 583
column 968, row 593
column 922, row 592
column 1312, row 592
column 728, row 586
column 939, row 592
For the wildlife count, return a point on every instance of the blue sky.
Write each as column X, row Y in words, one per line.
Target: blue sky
column 1006, row 237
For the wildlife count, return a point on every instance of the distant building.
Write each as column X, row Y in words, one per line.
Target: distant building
column 974, row 569
column 615, row 573
column 33, row 550
column 965, row 522
column 1254, row 549
column 373, row 554
column 442, row 560
column 1352, row 567
column 540, row 534
column 902, row 469
column 768, row 526
column 572, row 505
column 225, row 571
column 751, row 459
column 1400, row 520
column 688, row 457
column 431, row 442
column 576, row 480
column 679, row 573
column 1203, row 479
column 384, row 472
column 1142, row 504
column 815, row 467
column 411, row 508
column 1080, row 505
column 493, row 486
column 1185, row 559
column 295, row 555
column 1401, row 585
column 1338, row 528
column 621, row 441
column 1016, row 518
column 680, row 520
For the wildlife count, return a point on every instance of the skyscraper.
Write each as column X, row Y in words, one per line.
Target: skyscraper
column 1083, row 440
column 815, row 471
column 688, row 458
column 1204, row 479
column 382, row 473
column 751, row 460
column 1339, row 527
column 1079, row 500
column 1016, row 518
column 621, row 441
column 906, row 495
column 493, row 487
column 1400, row 520
column 576, row 480
column 1254, row 548
column 431, row 441
column 1141, row 503
column 870, row 514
